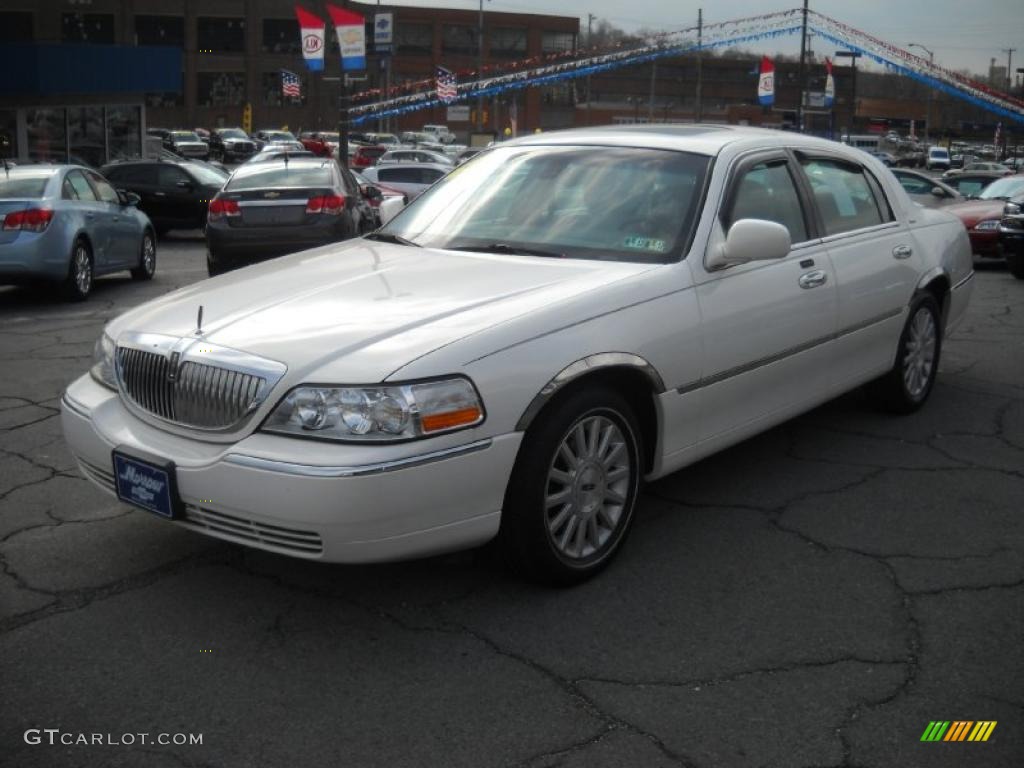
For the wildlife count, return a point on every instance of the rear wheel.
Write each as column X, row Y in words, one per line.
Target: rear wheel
column 570, row 500
column 215, row 265
column 907, row 386
column 78, row 283
column 147, row 258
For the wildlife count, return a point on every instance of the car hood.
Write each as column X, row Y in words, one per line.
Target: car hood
column 974, row 211
column 359, row 311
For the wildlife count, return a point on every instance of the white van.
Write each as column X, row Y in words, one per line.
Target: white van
column 440, row 132
column 938, row 159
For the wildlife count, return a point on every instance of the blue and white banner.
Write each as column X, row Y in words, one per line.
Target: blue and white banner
column 351, row 31
column 383, row 32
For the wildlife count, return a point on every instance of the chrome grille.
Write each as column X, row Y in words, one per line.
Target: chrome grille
column 250, row 532
column 198, row 394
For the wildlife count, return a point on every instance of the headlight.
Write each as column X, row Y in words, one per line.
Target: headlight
column 1011, row 209
column 987, row 226
column 378, row 413
column 103, row 361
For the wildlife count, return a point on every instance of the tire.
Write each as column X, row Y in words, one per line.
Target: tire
column 147, row 258
column 215, row 266
column 1015, row 263
column 541, row 535
column 906, row 387
column 78, row 283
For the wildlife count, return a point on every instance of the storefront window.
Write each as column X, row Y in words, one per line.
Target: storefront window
column 160, row 30
column 557, row 42
column 458, row 39
column 414, row 39
column 217, row 35
column 124, row 125
column 508, row 42
column 220, row 89
column 8, row 134
column 88, row 28
column 46, row 136
column 85, row 132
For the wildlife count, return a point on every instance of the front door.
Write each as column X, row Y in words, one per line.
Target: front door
column 767, row 325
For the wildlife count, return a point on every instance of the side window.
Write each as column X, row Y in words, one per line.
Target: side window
column 843, row 195
column 914, row 185
column 169, row 175
column 399, row 174
column 766, row 191
column 81, row 186
column 430, row 175
column 67, row 192
column 137, row 174
column 106, row 192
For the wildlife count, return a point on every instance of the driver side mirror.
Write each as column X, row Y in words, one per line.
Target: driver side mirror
column 751, row 240
column 128, row 198
column 939, row 192
column 372, row 193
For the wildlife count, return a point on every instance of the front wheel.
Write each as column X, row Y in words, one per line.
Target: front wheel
column 147, row 258
column 906, row 387
column 570, row 500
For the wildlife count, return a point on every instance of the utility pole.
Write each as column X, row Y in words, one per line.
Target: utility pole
column 590, row 44
column 928, row 103
column 480, row 69
column 803, row 72
column 699, row 112
column 650, row 100
column 1009, row 62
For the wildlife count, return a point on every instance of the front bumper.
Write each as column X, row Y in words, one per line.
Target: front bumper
column 985, row 243
column 366, row 504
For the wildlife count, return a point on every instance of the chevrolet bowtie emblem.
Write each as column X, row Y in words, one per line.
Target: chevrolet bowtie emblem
column 271, row 194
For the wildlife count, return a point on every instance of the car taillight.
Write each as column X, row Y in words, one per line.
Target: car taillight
column 220, row 208
column 332, row 205
column 30, row 220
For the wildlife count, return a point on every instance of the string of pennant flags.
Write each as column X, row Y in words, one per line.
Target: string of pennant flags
column 547, row 69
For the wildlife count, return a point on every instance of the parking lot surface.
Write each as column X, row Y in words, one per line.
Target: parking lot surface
column 815, row 596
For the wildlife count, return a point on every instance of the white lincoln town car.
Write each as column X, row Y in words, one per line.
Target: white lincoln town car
column 551, row 324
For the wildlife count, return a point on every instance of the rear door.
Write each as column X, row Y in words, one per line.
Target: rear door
column 872, row 252
column 99, row 225
column 178, row 192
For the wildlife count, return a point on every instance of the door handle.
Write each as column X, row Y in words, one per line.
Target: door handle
column 160, row 194
column 902, row 252
column 813, row 279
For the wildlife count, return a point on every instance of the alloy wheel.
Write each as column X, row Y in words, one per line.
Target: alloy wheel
column 83, row 269
column 588, row 484
column 919, row 357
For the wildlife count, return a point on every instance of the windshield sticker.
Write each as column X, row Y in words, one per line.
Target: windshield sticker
column 645, row 243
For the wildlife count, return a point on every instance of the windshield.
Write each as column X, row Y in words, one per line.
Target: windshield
column 281, row 176
column 615, row 203
column 208, row 174
column 185, row 136
column 1003, row 189
column 233, row 133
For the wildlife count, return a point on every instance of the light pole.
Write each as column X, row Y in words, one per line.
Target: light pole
column 928, row 102
column 852, row 56
column 480, row 69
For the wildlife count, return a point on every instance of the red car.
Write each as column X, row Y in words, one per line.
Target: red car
column 320, row 143
column 366, row 156
column 981, row 215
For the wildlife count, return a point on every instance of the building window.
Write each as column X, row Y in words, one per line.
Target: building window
column 557, row 42
column 458, row 39
column 281, row 36
column 86, row 136
column 15, row 27
column 47, row 140
column 508, row 42
column 87, row 28
column 218, row 35
column 414, row 39
column 160, row 30
column 166, row 99
column 220, row 89
column 124, row 130
column 271, row 94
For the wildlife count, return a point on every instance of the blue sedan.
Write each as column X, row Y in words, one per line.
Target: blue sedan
column 67, row 225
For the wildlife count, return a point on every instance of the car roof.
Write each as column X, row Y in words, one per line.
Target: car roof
column 298, row 162
column 697, row 138
column 435, row 166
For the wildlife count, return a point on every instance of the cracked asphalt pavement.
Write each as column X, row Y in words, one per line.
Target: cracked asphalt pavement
column 812, row 597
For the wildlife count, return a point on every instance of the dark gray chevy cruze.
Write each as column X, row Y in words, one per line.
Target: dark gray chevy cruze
column 280, row 207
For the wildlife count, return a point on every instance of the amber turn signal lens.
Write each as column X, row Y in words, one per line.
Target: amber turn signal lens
column 435, row 422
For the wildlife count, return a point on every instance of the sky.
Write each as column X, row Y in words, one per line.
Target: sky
column 962, row 33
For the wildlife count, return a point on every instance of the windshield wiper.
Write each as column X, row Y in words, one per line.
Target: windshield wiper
column 387, row 237
column 515, row 250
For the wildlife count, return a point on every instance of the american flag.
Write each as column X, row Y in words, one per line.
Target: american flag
column 290, row 84
column 447, row 85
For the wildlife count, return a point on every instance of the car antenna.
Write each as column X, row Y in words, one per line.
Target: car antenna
column 7, row 168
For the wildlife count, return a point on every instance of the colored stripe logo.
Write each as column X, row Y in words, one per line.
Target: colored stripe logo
column 958, row 730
